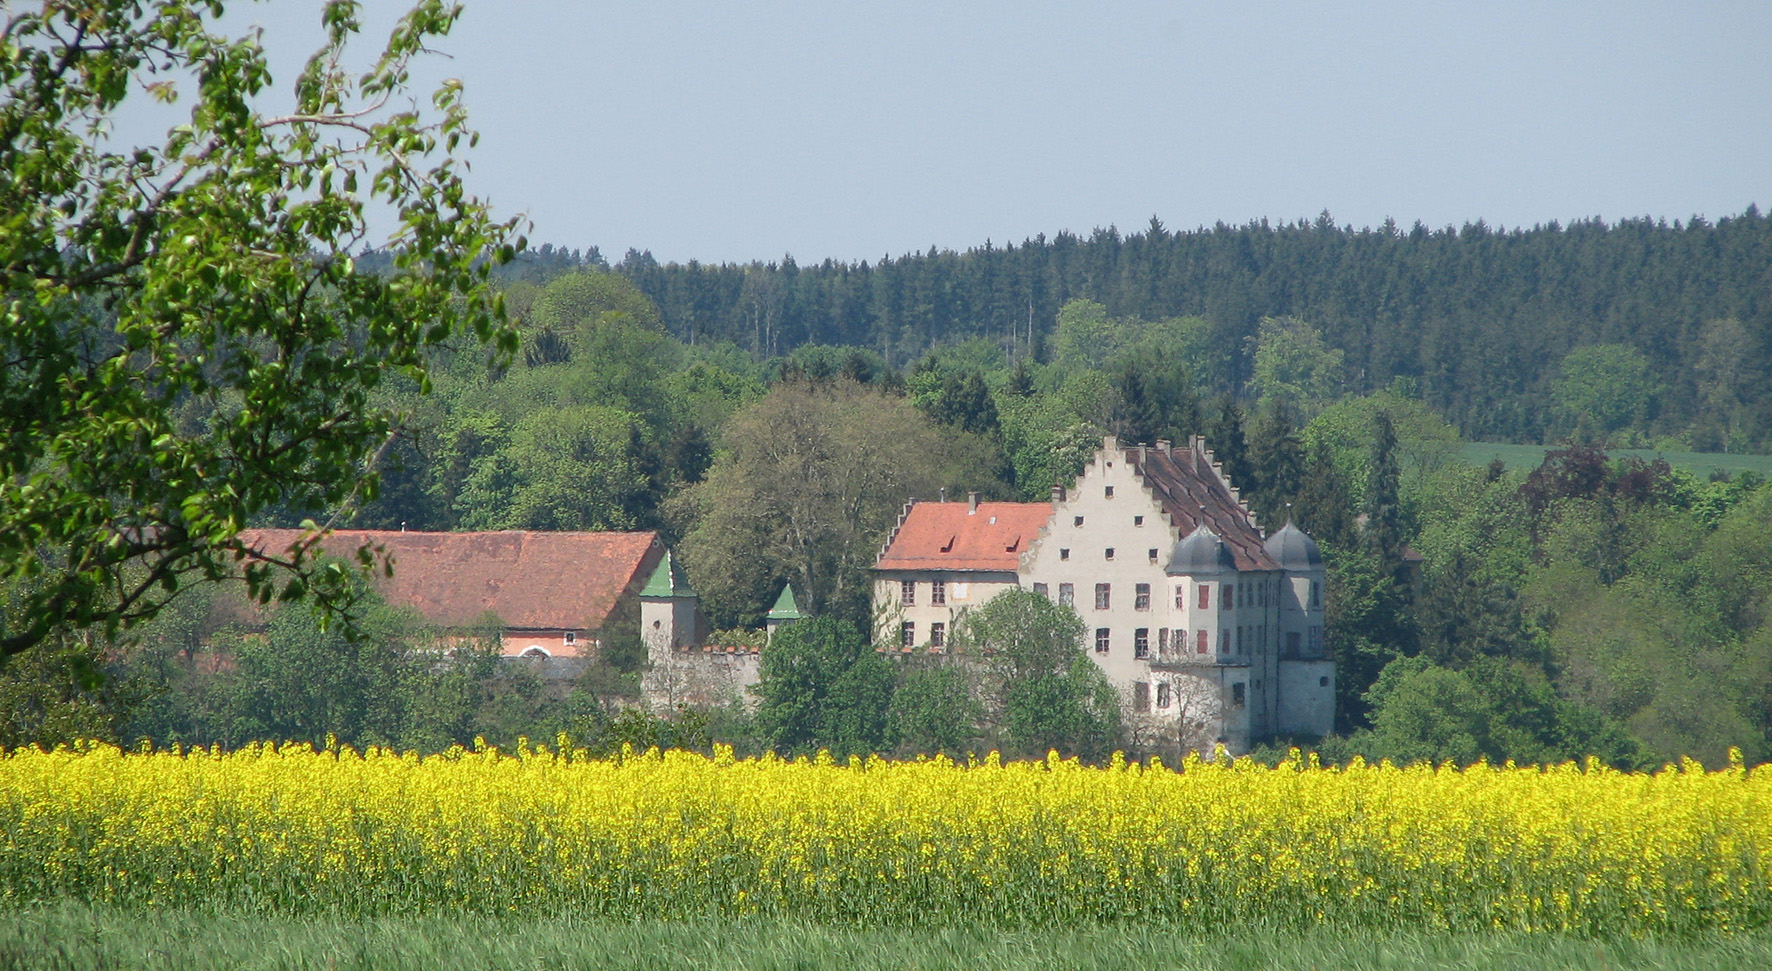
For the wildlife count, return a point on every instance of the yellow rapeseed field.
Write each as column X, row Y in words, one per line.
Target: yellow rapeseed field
column 288, row 829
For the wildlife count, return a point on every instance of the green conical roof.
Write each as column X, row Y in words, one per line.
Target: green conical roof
column 785, row 608
column 668, row 581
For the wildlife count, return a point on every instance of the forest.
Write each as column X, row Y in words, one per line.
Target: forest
column 1479, row 317
column 1591, row 605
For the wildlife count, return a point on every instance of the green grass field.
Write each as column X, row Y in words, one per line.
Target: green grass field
column 74, row 937
column 1700, row 463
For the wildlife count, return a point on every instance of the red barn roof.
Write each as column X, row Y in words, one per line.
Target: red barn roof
column 531, row 580
column 954, row 536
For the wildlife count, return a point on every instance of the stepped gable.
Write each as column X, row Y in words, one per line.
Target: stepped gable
column 531, row 580
column 957, row 536
column 1194, row 493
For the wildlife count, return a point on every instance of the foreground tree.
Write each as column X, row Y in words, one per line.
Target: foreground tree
column 823, row 686
column 185, row 345
column 1047, row 692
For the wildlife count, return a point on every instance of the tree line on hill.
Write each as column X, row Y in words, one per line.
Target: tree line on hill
column 1482, row 320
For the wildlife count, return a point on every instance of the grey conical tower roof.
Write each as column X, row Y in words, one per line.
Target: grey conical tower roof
column 1293, row 549
column 1201, row 551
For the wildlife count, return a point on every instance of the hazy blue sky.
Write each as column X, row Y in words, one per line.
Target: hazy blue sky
column 745, row 131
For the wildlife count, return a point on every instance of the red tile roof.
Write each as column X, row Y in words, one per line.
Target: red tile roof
column 949, row 536
column 1190, row 490
column 542, row 581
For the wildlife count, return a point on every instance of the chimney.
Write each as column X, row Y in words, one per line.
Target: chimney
column 971, row 503
column 1057, row 493
column 1163, row 445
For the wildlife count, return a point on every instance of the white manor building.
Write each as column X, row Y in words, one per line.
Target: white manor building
column 1211, row 631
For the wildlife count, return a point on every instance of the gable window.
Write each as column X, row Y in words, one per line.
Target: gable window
column 1067, row 594
column 938, row 634
column 1064, row 554
column 1141, row 642
column 1141, row 696
column 1239, row 695
column 1141, row 596
column 907, row 592
column 1152, row 553
column 1205, row 596
column 1040, row 588
column 938, row 593
column 1110, row 552
column 1229, row 600
column 1103, row 596
column 1101, row 640
column 1165, row 695
column 907, row 634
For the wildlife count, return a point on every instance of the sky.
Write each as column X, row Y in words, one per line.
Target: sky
column 739, row 132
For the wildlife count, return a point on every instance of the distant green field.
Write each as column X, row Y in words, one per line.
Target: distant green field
column 1701, row 463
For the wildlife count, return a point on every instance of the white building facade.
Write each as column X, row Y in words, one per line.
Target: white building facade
column 1211, row 631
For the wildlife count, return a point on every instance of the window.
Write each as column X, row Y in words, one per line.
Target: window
column 1316, row 594
column 1165, row 696
column 1110, row 492
column 1181, row 596
column 1103, row 596
column 1151, row 554
column 1040, row 588
column 1317, row 640
column 1162, row 641
column 938, row 634
column 1205, row 596
column 1224, row 641
column 1261, row 594
column 938, row 593
column 1110, row 552
column 907, row 634
column 907, row 592
column 1323, row 682
column 1141, row 596
column 1239, row 695
column 1141, row 642
column 1101, row 640
column 1138, row 520
column 1064, row 554
column 1067, row 594
column 571, row 638
column 1076, row 520
column 1200, row 642
column 1228, row 600
column 1141, row 696
column 1292, row 642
